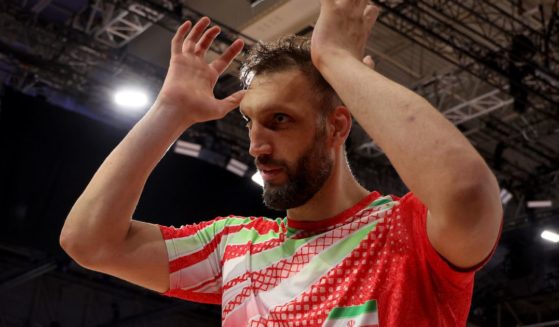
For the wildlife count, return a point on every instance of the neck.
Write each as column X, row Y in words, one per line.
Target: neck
column 340, row 192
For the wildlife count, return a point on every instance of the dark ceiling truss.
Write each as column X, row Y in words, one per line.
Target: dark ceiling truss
column 526, row 218
column 179, row 12
column 545, row 34
column 509, row 171
column 69, row 59
column 499, row 29
column 420, row 21
column 65, row 56
column 534, row 151
column 437, row 25
column 64, row 59
column 28, row 275
column 522, row 134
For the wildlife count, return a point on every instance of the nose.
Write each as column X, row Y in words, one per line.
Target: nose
column 259, row 142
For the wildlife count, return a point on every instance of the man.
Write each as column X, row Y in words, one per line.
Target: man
column 343, row 256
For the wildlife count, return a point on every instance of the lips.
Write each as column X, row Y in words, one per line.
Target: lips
column 269, row 173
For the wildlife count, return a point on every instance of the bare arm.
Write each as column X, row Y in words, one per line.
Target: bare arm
column 99, row 232
column 433, row 158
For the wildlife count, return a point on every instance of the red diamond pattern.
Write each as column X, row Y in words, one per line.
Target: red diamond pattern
column 351, row 282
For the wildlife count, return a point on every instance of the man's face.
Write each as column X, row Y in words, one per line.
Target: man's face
column 304, row 178
column 288, row 138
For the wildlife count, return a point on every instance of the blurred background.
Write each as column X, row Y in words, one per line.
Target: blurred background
column 77, row 74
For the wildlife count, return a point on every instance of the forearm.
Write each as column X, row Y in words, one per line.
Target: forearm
column 433, row 158
column 102, row 215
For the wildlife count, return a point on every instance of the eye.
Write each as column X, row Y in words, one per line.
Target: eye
column 281, row 118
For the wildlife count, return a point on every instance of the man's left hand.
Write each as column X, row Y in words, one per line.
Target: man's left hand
column 342, row 29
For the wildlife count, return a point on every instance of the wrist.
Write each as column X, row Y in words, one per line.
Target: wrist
column 169, row 117
column 334, row 63
column 324, row 58
column 171, row 114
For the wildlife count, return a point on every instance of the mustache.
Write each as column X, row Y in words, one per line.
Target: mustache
column 268, row 160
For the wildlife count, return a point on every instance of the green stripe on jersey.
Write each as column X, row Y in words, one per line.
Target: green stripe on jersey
column 194, row 242
column 335, row 253
column 382, row 204
column 381, row 201
column 250, row 235
column 353, row 311
column 290, row 246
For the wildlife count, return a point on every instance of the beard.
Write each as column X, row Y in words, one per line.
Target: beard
column 304, row 180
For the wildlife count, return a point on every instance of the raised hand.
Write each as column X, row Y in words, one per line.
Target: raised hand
column 342, row 29
column 188, row 87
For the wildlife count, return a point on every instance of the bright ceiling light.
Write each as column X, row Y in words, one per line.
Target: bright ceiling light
column 506, row 196
column 257, row 178
column 236, row 167
column 187, row 148
column 131, row 98
column 550, row 236
column 539, row 204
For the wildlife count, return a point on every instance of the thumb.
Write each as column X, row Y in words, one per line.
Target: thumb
column 231, row 102
column 369, row 62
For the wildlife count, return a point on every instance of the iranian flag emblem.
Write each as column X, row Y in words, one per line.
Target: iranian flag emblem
column 364, row 315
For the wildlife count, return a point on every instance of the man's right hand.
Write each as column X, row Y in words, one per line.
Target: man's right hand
column 99, row 232
column 188, row 87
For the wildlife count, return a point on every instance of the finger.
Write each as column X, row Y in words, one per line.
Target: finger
column 194, row 35
column 370, row 15
column 221, row 63
column 360, row 6
column 178, row 38
column 231, row 102
column 369, row 62
column 206, row 40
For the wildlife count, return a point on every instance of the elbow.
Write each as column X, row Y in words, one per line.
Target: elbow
column 78, row 248
column 475, row 198
column 471, row 193
column 70, row 244
column 81, row 256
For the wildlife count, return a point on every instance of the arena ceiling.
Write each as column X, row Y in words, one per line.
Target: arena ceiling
column 492, row 68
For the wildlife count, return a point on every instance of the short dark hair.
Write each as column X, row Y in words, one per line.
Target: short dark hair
column 289, row 52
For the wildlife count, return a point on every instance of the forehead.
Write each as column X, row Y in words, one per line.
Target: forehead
column 289, row 89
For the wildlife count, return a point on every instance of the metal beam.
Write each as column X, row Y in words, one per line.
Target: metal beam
column 125, row 25
column 27, row 276
column 416, row 21
column 542, row 324
column 466, row 111
column 477, row 107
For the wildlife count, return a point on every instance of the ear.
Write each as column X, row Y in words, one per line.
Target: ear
column 339, row 122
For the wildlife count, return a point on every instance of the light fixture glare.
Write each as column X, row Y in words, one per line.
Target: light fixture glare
column 539, row 204
column 187, row 148
column 506, row 196
column 550, row 236
column 257, row 178
column 236, row 167
column 131, row 98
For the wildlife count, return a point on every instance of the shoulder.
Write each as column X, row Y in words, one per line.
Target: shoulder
column 386, row 205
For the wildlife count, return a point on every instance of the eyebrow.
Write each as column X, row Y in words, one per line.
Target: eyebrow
column 278, row 107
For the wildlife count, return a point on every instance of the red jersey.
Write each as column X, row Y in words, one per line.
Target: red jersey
column 371, row 265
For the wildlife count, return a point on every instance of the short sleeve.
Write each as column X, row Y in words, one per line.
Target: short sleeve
column 194, row 253
column 439, row 266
